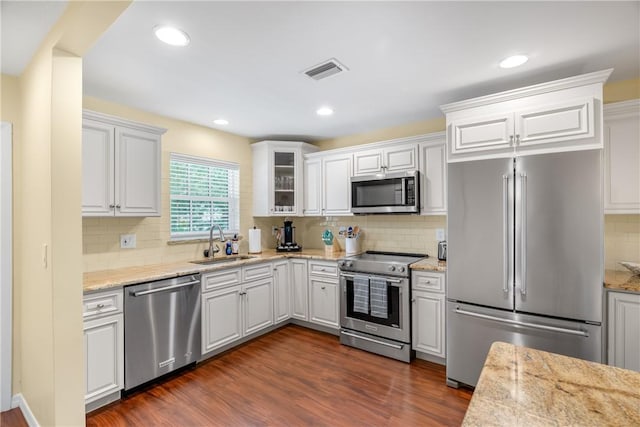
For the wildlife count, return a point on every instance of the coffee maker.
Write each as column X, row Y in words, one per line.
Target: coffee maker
column 287, row 240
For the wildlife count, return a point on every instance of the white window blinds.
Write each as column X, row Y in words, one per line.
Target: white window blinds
column 203, row 192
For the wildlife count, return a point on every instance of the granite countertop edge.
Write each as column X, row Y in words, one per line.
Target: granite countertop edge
column 621, row 281
column 96, row 281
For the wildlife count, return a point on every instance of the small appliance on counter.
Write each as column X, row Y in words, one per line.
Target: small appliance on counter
column 287, row 238
column 442, row 250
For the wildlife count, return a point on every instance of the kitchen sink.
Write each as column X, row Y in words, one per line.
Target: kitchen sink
column 221, row 260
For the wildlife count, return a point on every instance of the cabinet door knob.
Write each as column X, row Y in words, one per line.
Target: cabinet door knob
column 323, row 287
column 518, row 139
column 111, row 206
column 413, row 300
column 511, row 140
column 118, row 206
column 99, row 306
column 428, row 282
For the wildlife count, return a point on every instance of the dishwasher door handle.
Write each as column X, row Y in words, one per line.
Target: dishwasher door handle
column 163, row 289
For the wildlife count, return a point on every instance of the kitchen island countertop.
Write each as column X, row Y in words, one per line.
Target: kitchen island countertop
column 105, row 279
column 615, row 280
column 520, row 386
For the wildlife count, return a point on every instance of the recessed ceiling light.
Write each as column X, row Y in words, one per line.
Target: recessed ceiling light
column 221, row 122
column 513, row 61
column 171, row 35
column 324, row 111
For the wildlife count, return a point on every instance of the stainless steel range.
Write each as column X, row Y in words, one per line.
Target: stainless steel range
column 375, row 308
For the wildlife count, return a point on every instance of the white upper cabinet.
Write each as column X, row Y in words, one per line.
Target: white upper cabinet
column 121, row 167
column 562, row 115
column 328, row 184
column 433, row 175
column 622, row 157
column 277, row 177
column 313, row 186
column 388, row 159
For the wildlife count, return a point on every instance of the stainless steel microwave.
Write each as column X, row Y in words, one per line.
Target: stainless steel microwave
column 390, row 193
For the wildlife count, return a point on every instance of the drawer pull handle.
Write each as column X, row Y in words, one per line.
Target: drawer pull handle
column 100, row 306
column 323, row 287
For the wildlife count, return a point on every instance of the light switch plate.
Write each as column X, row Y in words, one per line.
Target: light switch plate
column 127, row 241
column 440, row 234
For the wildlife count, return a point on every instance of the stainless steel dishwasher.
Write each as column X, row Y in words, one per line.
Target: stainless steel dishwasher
column 161, row 328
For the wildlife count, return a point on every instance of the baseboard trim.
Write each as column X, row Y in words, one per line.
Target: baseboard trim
column 18, row 401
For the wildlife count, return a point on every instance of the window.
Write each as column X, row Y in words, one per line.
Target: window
column 203, row 192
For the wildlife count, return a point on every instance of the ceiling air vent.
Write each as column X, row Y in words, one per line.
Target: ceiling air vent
column 326, row 69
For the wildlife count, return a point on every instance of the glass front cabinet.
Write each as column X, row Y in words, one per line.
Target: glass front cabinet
column 277, row 177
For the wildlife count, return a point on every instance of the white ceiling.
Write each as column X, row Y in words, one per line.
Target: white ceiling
column 23, row 26
column 245, row 59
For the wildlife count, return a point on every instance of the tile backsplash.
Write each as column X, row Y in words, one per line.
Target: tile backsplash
column 396, row 233
column 621, row 240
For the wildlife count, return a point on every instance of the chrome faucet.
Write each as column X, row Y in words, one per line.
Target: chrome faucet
column 212, row 251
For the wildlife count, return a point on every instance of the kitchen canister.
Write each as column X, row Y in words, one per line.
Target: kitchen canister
column 352, row 245
column 255, row 244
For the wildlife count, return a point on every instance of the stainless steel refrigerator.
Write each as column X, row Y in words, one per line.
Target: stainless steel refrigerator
column 525, row 263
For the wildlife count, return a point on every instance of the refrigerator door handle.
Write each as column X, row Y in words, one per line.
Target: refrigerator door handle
column 525, row 324
column 505, row 233
column 523, row 235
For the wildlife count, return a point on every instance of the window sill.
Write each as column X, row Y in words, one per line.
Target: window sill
column 192, row 240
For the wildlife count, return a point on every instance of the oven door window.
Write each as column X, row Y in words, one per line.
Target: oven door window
column 393, row 307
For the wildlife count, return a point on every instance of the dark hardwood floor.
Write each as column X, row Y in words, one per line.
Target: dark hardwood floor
column 294, row 377
column 12, row 418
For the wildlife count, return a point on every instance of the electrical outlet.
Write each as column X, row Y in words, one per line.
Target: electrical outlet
column 127, row 241
column 440, row 234
column 274, row 230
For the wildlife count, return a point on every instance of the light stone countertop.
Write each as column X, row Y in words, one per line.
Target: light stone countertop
column 615, row 280
column 520, row 386
column 430, row 264
column 105, row 279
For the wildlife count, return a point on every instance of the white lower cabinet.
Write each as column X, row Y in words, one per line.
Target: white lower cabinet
column 324, row 295
column 624, row 330
column 428, row 313
column 232, row 312
column 299, row 289
column 257, row 305
column 281, row 291
column 221, row 318
column 103, row 345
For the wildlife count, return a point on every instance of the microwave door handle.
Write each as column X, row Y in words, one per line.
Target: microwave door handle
column 403, row 195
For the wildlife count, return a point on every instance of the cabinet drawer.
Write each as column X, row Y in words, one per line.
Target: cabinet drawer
column 433, row 282
column 327, row 269
column 258, row 271
column 221, row 279
column 100, row 304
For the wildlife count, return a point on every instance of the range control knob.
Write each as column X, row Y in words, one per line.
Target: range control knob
column 341, row 264
column 349, row 264
column 392, row 268
column 401, row 269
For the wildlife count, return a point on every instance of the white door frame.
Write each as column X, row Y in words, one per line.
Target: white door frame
column 6, row 277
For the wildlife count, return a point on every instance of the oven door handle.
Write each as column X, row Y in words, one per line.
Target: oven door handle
column 349, row 334
column 351, row 276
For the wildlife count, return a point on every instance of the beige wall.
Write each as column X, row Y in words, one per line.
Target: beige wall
column 47, row 179
column 10, row 110
column 101, row 236
column 621, row 90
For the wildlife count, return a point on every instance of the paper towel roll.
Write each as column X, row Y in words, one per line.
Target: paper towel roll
column 255, row 246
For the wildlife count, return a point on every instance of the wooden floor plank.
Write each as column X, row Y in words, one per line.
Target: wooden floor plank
column 13, row 418
column 295, row 376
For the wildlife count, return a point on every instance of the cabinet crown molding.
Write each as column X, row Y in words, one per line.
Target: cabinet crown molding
column 618, row 110
column 581, row 80
column 119, row 121
column 423, row 138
